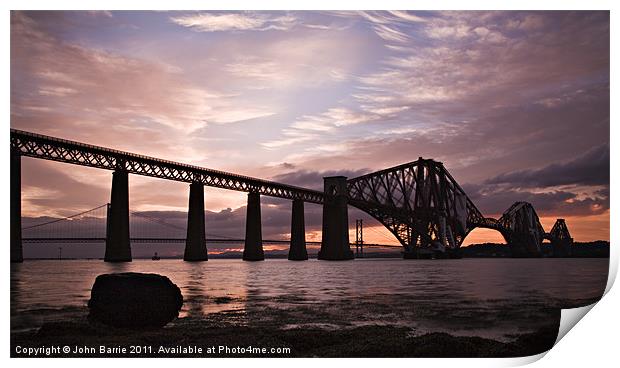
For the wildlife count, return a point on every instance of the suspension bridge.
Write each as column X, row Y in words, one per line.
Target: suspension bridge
column 90, row 226
column 419, row 202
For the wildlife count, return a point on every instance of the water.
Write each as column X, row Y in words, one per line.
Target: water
column 496, row 298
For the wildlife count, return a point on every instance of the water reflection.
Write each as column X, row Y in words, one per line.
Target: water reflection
column 464, row 296
column 196, row 294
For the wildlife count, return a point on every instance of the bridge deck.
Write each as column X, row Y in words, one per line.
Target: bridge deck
column 62, row 150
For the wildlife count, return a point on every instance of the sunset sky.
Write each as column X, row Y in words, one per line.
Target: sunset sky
column 515, row 104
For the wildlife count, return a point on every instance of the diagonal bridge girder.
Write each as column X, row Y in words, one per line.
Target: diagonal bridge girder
column 424, row 207
column 419, row 202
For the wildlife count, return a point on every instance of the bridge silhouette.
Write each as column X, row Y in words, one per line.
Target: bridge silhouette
column 419, row 202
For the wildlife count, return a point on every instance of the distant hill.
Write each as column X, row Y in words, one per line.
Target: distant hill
column 598, row 249
column 595, row 249
column 486, row 250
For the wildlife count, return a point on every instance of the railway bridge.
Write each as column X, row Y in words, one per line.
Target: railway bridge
column 419, row 202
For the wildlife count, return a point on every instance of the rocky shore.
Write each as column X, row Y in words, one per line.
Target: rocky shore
column 225, row 335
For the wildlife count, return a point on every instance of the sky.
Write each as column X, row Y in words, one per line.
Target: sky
column 514, row 103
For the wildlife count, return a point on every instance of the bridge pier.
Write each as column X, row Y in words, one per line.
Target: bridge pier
column 561, row 241
column 335, row 238
column 16, row 208
column 253, row 248
column 525, row 245
column 117, row 246
column 561, row 247
column 297, row 251
column 195, row 243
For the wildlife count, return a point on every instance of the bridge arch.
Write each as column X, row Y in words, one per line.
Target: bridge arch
column 400, row 230
column 499, row 235
column 419, row 202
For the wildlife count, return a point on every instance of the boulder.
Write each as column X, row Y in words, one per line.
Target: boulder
column 134, row 300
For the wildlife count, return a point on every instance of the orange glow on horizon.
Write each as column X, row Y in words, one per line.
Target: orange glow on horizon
column 582, row 229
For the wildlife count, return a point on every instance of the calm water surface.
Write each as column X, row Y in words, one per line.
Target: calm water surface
column 495, row 298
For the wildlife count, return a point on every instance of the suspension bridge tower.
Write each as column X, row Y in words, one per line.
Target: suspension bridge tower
column 359, row 239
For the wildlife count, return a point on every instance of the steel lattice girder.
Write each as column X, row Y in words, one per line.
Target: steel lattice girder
column 56, row 149
column 560, row 231
column 411, row 199
column 523, row 228
column 514, row 217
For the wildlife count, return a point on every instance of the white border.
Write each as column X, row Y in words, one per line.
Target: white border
column 594, row 340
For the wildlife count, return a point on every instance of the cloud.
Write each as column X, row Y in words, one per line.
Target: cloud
column 460, row 31
column 390, row 17
column 386, row 24
column 108, row 98
column 507, row 139
column 374, row 16
column 407, row 16
column 45, row 188
column 591, row 168
column 476, row 106
column 255, row 68
column 314, row 179
column 456, row 56
column 390, row 34
column 528, row 22
column 81, row 81
column 493, row 201
column 102, row 13
column 219, row 22
column 307, row 60
column 310, row 127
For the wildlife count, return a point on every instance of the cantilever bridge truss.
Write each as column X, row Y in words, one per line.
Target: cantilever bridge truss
column 419, row 202
column 426, row 209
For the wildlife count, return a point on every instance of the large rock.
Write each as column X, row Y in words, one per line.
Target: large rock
column 134, row 300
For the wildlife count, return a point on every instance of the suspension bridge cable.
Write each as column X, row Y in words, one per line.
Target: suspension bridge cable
column 163, row 222
column 65, row 218
column 222, row 236
column 157, row 220
column 379, row 233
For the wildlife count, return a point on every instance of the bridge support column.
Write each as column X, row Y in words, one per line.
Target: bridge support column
column 16, row 208
column 524, row 245
column 561, row 248
column 561, row 241
column 298, row 251
column 335, row 239
column 117, row 246
column 195, row 243
column 253, row 249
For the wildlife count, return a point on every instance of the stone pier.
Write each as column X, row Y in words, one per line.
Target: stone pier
column 195, row 242
column 297, row 251
column 253, row 249
column 117, row 246
column 335, row 239
column 16, row 208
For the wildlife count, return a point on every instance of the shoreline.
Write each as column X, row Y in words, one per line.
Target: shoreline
column 224, row 330
column 592, row 249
